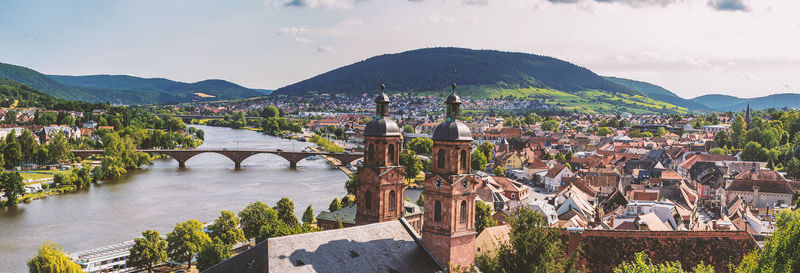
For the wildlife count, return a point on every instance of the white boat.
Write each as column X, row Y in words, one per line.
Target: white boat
column 104, row 259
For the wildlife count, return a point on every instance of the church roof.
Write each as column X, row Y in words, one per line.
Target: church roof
column 452, row 130
column 382, row 127
column 383, row 247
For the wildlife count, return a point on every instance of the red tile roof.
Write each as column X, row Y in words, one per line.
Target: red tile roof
column 604, row 250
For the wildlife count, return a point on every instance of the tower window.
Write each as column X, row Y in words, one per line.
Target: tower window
column 392, row 201
column 440, row 159
column 368, row 200
column 463, row 211
column 371, row 152
column 464, row 160
column 437, row 211
column 391, row 155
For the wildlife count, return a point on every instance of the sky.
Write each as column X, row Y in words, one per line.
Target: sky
column 745, row 48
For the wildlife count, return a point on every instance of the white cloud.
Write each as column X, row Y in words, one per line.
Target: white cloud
column 292, row 30
column 314, row 4
column 325, row 49
column 302, row 40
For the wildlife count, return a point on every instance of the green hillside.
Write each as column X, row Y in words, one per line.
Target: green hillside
column 725, row 103
column 170, row 90
column 122, row 89
column 658, row 93
column 426, row 70
column 19, row 95
column 485, row 74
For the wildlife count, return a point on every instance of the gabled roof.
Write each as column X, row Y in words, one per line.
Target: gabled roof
column 758, row 174
column 555, row 170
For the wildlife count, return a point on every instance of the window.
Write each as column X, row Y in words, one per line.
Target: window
column 392, row 203
column 391, row 154
column 437, row 211
column 440, row 159
column 463, row 159
column 368, row 200
column 463, row 211
column 371, row 152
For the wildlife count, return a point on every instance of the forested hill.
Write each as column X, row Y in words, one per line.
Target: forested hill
column 724, row 103
column 19, row 95
column 124, row 89
column 658, row 93
column 479, row 72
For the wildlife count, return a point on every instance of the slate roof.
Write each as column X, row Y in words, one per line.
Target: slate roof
column 604, row 250
column 253, row 260
column 383, row 247
column 346, row 214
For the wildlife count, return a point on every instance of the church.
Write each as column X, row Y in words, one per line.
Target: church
column 382, row 239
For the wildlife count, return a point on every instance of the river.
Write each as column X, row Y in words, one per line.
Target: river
column 160, row 195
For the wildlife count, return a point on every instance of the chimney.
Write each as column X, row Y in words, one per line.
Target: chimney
column 756, row 196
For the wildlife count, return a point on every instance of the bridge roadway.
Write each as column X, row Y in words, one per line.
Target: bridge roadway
column 237, row 156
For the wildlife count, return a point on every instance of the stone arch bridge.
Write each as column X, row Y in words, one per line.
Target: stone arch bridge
column 237, row 156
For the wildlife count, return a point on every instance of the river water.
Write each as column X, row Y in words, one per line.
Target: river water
column 160, row 195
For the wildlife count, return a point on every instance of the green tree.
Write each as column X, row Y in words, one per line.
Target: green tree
column 27, row 144
column 412, row 163
column 255, row 216
column 11, row 117
column 550, row 125
column 147, row 252
column 12, row 154
column 793, row 168
column 486, row 148
column 12, row 186
column 226, row 228
column 641, row 264
column 58, row 148
column 532, row 247
column 185, row 240
column 421, row 200
column 351, row 185
column 478, row 161
column 339, row 224
column 499, row 171
column 421, row 145
column 738, row 132
column 212, row 254
column 754, row 152
column 603, row 131
column 782, row 251
column 335, row 205
column 51, row 259
column 270, row 112
column 721, row 138
column 285, row 209
column 308, row 215
column 483, row 216
column 409, row 129
column 660, row 132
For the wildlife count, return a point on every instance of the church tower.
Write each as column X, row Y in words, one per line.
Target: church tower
column 448, row 230
column 381, row 180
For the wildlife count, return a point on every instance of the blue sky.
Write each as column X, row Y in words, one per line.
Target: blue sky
column 692, row 47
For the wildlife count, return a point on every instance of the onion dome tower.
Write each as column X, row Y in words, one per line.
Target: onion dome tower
column 381, row 181
column 448, row 230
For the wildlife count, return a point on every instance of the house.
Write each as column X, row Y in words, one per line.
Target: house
column 552, row 180
column 490, row 239
column 545, row 209
column 516, row 192
column 763, row 188
column 510, row 161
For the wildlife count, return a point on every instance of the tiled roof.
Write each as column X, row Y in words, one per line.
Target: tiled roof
column 555, row 170
column 253, row 260
column 604, row 250
column 382, row 247
column 763, row 186
column 758, row 174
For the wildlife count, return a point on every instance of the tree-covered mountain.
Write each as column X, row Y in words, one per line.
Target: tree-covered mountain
column 179, row 91
column 14, row 94
column 478, row 73
column 123, row 89
column 658, row 93
column 725, row 103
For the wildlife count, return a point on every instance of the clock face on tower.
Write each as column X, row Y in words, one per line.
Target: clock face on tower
column 438, row 183
column 464, row 184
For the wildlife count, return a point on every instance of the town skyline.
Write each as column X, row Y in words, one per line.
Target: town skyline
column 689, row 47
